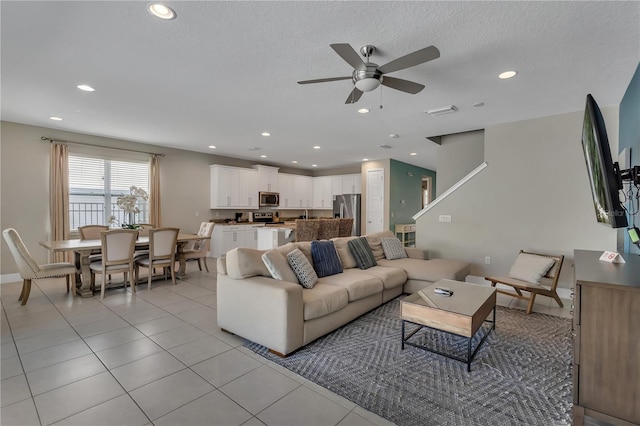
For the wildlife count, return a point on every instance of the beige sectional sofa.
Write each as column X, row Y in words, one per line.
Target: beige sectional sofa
column 284, row 316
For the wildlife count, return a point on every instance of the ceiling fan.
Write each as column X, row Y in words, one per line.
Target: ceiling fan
column 367, row 76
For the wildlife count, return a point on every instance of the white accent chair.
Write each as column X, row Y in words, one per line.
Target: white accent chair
column 198, row 250
column 162, row 253
column 118, row 246
column 28, row 267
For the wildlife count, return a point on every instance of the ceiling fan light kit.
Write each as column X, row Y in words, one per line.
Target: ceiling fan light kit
column 442, row 110
column 368, row 76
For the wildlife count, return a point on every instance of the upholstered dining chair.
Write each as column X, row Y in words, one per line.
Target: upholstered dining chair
column 29, row 269
column 118, row 246
column 144, row 229
column 198, row 250
column 162, row 253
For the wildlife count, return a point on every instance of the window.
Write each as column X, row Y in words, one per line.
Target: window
column 96, row 183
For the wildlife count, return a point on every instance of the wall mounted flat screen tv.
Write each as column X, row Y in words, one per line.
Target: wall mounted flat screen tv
column 604, row 174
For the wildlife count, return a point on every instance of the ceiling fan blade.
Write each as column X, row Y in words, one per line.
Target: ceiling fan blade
column 354, row 96
column 402, row 85
column 412, row 59
column 324, row 80
column 347, row 53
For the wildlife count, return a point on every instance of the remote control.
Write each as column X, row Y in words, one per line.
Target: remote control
column 443, row 291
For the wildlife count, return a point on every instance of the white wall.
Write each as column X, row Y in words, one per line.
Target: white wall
column 533, row 195
column 457, row 156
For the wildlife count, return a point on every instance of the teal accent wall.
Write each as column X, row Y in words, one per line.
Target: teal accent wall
column 630, row 138
column 405, row 191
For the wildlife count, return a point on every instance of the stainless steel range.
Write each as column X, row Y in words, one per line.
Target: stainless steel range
column 265, row 217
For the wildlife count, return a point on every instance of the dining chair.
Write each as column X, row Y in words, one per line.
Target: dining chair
column 118, row 246
column 198, row 250
column 29, row 268
column 307, row 229
column 92, row 232
column 144, row 229
column 345, row 227
column 328, row 229
column 162, row 253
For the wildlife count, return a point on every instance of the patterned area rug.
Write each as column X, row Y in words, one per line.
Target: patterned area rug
column 520, row 376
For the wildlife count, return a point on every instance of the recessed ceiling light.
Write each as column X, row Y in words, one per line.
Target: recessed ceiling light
column 316, row 147
column 365, row 159
column 162, row 11
column 295, row 162
column 414, row 153
column 507, row 74
column 55, row 118
column 86, row 88
column 314, row 165
column 263, row 156
column 265, row 134
column 363, row 110
column 212, row 146
column 393, row 136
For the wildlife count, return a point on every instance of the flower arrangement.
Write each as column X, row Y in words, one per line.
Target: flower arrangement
column 128, row 204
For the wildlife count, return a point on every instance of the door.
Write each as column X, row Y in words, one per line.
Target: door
column 375, row 200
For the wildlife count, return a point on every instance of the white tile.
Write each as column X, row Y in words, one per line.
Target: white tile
column 202, row 313
column 160, row 325
column 53, row 355
column 190, row 291
column 138, row 317
column 164, row 395
column 128, row 352
column 259, row 388
column 8, row 349
column 57, row 375
column 20, row 414
column 372, row 417
column 225, row 367
column 213, row 409
column 146, row 370
column 353, row 419
column 113, row 338
column 118, row 411
column 136, row 304
column 14, row 389
column 177, row 336
column 161, row 297
column 254, row 421
column 56, row 404
column 303, row 407
column 198, row 350
column 101, row 326
column 100, row 314
column 10, row 367
column 39, row 328
column 183, row 306
column 46, row 340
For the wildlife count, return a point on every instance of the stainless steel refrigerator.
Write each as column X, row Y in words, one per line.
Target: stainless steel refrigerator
column 348, row 205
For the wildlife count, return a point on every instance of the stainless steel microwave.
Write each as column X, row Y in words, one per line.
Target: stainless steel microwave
column 269, row 199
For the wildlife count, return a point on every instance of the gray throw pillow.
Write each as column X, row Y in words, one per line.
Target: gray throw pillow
column 304, row 271
column 279, row 267
column 393, row 248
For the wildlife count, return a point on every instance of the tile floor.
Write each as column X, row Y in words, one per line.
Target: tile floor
column 154, row 358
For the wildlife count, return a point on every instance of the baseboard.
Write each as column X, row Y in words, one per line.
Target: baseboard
column 10, row 278
column 564, row 293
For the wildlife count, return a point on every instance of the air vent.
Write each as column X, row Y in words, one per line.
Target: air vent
column 255, row 148
column 441, row 110
column 386, row 146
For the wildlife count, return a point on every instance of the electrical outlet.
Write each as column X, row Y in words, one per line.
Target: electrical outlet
column 487, row 260
column 444, row 218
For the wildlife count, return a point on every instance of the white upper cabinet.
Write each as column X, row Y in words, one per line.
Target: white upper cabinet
column 322, row 194
column 346, row 184
column 233, row 187
column 267, row 178
column 296, row 191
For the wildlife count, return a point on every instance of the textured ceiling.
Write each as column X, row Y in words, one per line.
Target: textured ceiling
column 223, row 72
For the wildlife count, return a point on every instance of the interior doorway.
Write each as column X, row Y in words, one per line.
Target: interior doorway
column 375, row 200
column 427, row 190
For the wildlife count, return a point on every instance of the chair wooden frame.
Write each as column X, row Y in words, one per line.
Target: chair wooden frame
column 165, row 259
column 198, row 249
column 550, row 279
column 122, row 263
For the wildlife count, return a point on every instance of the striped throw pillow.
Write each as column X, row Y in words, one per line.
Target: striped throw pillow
column 362, row 252
column 325, row 258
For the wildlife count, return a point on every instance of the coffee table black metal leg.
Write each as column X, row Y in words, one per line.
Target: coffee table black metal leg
column 469, row 355
column 402, row 336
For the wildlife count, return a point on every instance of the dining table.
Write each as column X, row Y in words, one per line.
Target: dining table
column 82, row 249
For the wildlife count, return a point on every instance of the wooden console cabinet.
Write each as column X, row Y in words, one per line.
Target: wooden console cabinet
column 606, row 345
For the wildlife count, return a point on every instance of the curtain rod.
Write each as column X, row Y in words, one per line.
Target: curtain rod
column 51, row 140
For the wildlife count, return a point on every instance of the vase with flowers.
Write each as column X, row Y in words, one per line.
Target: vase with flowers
column 128, row 203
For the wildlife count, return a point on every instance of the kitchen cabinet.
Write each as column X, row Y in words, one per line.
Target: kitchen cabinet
column 296, row 191
column 322, row 194
column 267, row 178
column 346, row 184
column 233, row 187
column 227, row 237
column 606, row 326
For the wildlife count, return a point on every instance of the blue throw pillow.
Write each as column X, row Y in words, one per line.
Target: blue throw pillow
column 361, row 250
column 325, row 258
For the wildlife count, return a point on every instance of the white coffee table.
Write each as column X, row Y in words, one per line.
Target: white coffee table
column 461, row 314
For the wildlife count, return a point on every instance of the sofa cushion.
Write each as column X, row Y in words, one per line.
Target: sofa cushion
column 430, row 270
column 322, row 300
column 344, row 253
column 325, row 258
column 279, row 267
column 393, row 248
column 375, row 243
column 302, row 268
column 245, row 262
column 530, row 267
column 390, row 277
column 357, row 283
column 362, row 253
